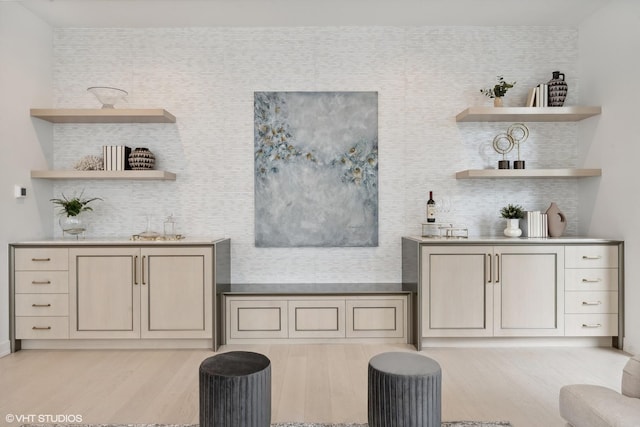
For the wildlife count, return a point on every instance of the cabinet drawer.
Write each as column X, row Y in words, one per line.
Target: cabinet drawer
column 317, row 319
column 593, row 325
column 375, row 318
column 595, row 256
column 42, row 328
column 42, row 305
column 41, row 259
column 42, row 282
column 256, row 318
column 591, row 302
column 591, row 279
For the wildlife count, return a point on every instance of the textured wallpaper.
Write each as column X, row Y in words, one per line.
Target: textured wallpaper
column 207, row 77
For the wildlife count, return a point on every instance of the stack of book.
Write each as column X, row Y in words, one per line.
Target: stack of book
column 538, row 96
column 535, row 224
column 116, row 157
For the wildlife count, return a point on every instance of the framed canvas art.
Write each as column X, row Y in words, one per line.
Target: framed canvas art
column 316, row 169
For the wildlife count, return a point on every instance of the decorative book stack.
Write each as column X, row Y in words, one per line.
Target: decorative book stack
column 535, row 224
column 116, row 157
column 538, row 96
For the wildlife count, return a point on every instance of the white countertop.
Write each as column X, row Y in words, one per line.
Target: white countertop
column 118, row 241
column 502, row 240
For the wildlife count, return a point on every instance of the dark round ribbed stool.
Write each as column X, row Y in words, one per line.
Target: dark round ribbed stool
column 404, row 391
column 235, row 390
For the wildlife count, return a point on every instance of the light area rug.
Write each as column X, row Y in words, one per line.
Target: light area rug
column 444, row 424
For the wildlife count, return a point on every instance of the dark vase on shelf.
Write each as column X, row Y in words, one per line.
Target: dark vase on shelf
column 142, row 159
column 557, row 90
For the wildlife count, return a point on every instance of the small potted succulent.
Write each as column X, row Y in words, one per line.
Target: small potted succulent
column 498, row 91
column 71, row 221
column 512, row 213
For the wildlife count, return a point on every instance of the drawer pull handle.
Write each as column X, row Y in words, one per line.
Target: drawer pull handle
column 42, row 282
column 598, row 280
column 40, row 305
column 40, row 259
column 41, row 328
column 591, row 302
column 591, row 257
column 593, row 325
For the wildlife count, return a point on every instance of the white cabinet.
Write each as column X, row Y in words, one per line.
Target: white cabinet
column 317, row 318
column 474, row 291
column 592, row 297
column 253, row 318
column 132, row 292
column 41, row 298
column 529, row 291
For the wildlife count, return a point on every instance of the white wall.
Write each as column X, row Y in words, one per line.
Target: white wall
column 206, row 77
column 610, row 206
column 25, row 81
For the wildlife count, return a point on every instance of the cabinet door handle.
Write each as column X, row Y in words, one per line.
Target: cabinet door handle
column 591, row 325
column 497, row 268
column 135, row 270
column 591, row 280
column 41, row 282
column 591, row 302
column 143, row 258
column 591, row 257
column 40, row 259
column 41, row 328
column 40, row 305
column 490, row 268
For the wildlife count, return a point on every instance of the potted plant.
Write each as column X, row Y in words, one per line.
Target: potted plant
column 512, row 213
column 498, row 91
column 70, row 209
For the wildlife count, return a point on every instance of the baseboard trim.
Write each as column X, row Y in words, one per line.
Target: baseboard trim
column 116, row 344
column 517, row 342
column 5, row 348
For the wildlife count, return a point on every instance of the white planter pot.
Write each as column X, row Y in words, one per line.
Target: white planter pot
column 513, row 228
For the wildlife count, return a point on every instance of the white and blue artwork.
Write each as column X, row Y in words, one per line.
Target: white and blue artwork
column 316, row 169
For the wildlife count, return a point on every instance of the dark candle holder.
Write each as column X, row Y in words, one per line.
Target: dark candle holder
column 504, row 164
column 518, row 164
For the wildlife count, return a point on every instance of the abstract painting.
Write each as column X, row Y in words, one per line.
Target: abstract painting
column 316, row 169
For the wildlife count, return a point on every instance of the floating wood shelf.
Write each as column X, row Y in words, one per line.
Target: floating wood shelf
column 144, row 175
column 527, row 114
column 527, row 173
column 105, row 115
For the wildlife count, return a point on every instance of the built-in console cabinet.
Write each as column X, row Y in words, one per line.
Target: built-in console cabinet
column 249, row 318
column 546, row 288
column 131, row 295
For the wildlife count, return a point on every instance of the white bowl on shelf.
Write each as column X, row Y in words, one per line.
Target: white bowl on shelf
column 108, row 96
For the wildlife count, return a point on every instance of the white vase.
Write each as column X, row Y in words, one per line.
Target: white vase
column 513, row 228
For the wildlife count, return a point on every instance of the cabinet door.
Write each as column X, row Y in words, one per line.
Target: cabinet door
column 104, row 293
column 457, row 296
column 529, row 291
column 317, row 318
column 176, row 288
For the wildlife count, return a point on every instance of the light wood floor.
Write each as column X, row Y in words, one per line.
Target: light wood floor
column 310, row 382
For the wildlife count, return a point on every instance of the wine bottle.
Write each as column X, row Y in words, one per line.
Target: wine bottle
column 431, row 208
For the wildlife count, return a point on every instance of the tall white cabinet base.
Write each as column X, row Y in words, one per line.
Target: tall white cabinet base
column 541, row 290
column 83, row 294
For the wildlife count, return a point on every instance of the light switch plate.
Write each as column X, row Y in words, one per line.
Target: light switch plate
column 20, row 192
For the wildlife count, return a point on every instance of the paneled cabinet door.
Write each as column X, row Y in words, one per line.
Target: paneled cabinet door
column 176, row 287
column 528, row 290
column 104, row 293
column 457, row 294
